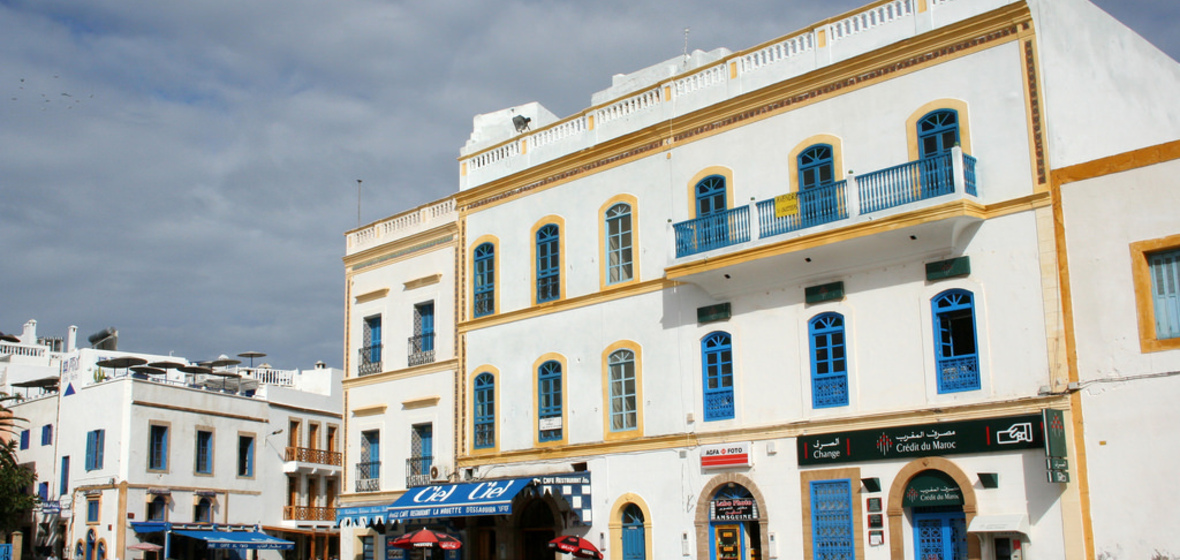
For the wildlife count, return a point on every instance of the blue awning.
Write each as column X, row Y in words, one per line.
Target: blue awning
column 150, row 526
column 361, row 516
column 239, row 540
column 493, row 497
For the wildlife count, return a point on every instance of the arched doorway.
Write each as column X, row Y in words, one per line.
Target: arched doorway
column 537, row 528
column 729, row 517
column 936, row 498
column 91, row 544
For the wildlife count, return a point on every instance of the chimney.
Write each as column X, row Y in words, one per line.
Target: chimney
column 71, row 338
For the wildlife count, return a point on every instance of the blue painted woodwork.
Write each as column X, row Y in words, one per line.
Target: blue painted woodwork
column 548, row 264
column 484, row 276
column 634, row 538
column 624, row 408
column 485, row 411
column 940, row 535
column 549, row 397
column 956, row 353
column 618, row 244
column 717, row 363
column 1164, row 268
column 829, row 361
column 831, row 520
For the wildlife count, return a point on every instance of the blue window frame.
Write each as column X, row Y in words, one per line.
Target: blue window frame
column 158, row 509
column 371, row 353
column 816, row 167
column 92, row 510
column 938, row 132
column 47, row 434
column 204, row 452
column 485, row 411
column 63, row 486
column 940, row 534
column 158, row 448
column 484, row 276
column 634, row 537
column 203, row 511
column 624, row 405
column 831, row 519
column 829, row 361
column 43, row 491
column 717, row 362
column 245, row 455
column 618, row 244
column 421, row 449
column 548, row 263
column 424, row 326
column 24, row 439
column 711, row 196
column 1164, row 267
column 549, row 406
column 954, row 340
column 95, row 444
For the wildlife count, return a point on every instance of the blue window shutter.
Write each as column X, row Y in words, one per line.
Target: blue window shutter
column 485, row 411
column 484, row 279
column 24, row 439
column 711, row 196
column 717, row 363
column 63, row 486
column 548, row 263
column 938, row 132
column 829, row 361
column 956, row 354
column 100, row 448
column 816, row 168
column 90, row 436
column 549, row 394
column 831, row 519
column 1165, row 292
column 47, row 434
column 43, row 491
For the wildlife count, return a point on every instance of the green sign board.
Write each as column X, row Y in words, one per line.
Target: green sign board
column 949, row 268
column 712, row 313
column 1055, row 444
column 992, row 435
column 1060, row 477
column 824, row 292
column 932, row 488
column 1056, row 464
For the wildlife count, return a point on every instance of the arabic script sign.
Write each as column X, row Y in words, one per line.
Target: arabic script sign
column 993, row 435
column 932, row 488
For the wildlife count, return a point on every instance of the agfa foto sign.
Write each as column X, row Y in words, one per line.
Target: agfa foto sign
column 725, row 455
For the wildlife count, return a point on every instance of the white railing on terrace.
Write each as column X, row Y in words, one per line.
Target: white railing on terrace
column 503, row 152
column 711, row 76
column 18, row 350
column 564, row 130
column 871, row 18
column 635, row 104
column 782, row 50
column 279, row 377
column 400, row 223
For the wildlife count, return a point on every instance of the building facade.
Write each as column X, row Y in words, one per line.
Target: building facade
column 811, row 299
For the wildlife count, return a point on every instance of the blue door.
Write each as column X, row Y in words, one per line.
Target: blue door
column 424, row 317
column 940, row 535
column 938, row 132
column 712, row 223
column 817, row 195
column 634, row 538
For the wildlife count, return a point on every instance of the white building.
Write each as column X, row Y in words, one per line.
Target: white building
column 809, row 299
column 126, row 459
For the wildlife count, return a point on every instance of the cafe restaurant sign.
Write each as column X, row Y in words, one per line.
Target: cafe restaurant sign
column 993, row 435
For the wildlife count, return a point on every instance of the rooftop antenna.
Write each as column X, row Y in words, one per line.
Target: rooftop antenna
column 686, row 30
column 358, row 203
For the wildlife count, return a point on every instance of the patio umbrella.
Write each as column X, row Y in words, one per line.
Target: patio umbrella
column 425, row 538
column 577, row 546
column 146, row 546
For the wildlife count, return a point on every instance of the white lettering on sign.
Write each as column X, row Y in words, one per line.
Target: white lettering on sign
column 488, row 490
column 433, row 494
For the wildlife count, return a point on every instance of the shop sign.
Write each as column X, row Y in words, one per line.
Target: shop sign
column 1055, row 444
column 725, row 455
column 993, row 435
column 729, row 509
column 51, row 507
column 551, row 423
column 932, row 488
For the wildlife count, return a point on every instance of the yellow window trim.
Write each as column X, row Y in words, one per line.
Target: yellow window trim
column 837, row 158
column 565, row 427
column 495, row 373
column 616, row 525
column 607, row 434
column 957, row 105
column 497, row 288
column 558, row 221
column 721, row 170
column 1149, row 341
column 603, row 273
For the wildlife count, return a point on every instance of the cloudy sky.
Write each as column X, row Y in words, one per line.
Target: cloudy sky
column 185, row 171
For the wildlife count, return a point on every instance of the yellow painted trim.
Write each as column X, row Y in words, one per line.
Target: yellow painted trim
column 853, row 476
column 524, row 146
column 496, row 402
column 604, row 259
column 721, row 170
column 536, row 408
column 911, row 124
column 793, row 158
column 391, row 247
column 370, row 296
column 821, row 37
column 616, row 525
column 558, row 221
column 733, row 70
column 497, row 287
column 637, row 350
column 422, row 282
column 589, row 122
column 667, row 93
column 421, row 402
column 1082, row 471
column 922, row 7
column 398, row 374
column 463, row 169
column 370, row 410
column 1149, row 340
column 1126, row 161
column 1034, row 111
column 701, row 515
column 615, row 293
column 121, row 532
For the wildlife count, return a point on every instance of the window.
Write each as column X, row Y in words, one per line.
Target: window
column 624, row 405
column 954, row 340
column 548, row 264
column 245, row 455
column 634, row 538
column 158, row 448
column 204, row 452
column 63, row 487
column 938, row 132
column 158, row 509
column 43, row 491
column 421, row 451
column 485, row 411
column 367, row 550
column 47, row 434
column 422, row 343
column 368, row 470
column 370, row 346
column 484, row 276
column 24, row 439
column 549, row 421
column 1165, row 292
column 203, row 511
column 618, row 244
column 815, row 167
column 711, row 196
column 717, row 361
column 829, row 363
column 92, row 510
column 95, row 442
column 831, row 519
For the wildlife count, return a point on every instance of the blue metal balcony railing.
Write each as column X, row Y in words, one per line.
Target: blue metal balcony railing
column 418, row 471
column 908, row 182
column 368, row 476
column 956, row 374
column 816, row 206
column 969, row 174
column 713, row 231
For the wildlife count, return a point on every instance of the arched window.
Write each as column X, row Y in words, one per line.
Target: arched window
column 829, row 361
column 203, row 511
column 938, row 132
column 955, row 352
column 624, row 406
column 548, row 264
column 91, row 544
column 618, row 243
column 634, row 537
column 717, row 363
column 549, row 401
column 101, row 551
column 816, row 167
column 484, row 277
column 157, row 509
column 711, row 196
column 485, row 411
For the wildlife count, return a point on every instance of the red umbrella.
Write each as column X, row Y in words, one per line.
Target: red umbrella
column 425, row 538
column 577, row 546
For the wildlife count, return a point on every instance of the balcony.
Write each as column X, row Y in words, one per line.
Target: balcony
column 418, row 471
column 915, row 210
column 306, row 513
column 421, row 349
column 312, row 461
column 368, row 476
column 369, row 360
